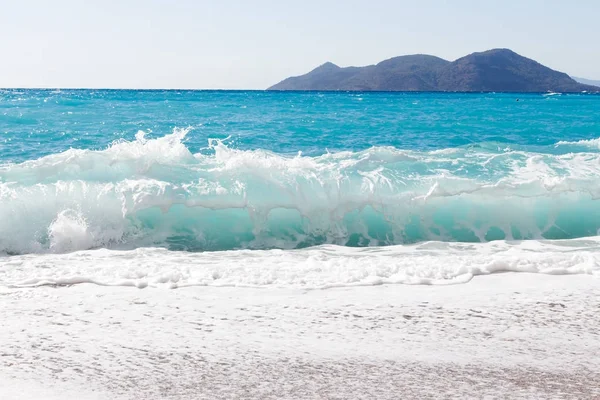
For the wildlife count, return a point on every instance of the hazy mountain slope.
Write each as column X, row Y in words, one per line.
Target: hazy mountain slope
column 587, row 81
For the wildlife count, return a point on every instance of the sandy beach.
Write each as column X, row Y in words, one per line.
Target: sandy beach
column 512, row 335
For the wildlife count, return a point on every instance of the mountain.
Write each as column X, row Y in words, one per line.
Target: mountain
column 497, row 70
column 405, row 73
column 587, row 81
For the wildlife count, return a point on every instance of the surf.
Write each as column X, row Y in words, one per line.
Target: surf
column 155, row 192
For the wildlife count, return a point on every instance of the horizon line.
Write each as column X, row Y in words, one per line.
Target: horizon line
column 283, row 91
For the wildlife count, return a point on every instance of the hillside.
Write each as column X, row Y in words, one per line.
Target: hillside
column 497, row 70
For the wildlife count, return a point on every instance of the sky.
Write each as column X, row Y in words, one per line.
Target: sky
column 228, row 44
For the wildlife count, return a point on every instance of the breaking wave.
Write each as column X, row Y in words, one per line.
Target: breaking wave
column 156, row 193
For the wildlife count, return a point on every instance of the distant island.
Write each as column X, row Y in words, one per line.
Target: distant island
column 497, row 70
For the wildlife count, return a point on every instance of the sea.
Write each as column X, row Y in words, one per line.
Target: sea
column 174, row 188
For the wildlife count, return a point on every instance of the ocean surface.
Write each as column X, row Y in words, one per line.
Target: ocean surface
column 312, row 190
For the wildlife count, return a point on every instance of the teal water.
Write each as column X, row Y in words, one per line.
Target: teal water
column 212, row 170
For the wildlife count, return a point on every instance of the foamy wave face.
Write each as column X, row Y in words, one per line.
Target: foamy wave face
column 157, row 193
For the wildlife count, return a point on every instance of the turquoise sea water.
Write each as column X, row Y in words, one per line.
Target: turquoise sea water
column 212, row 170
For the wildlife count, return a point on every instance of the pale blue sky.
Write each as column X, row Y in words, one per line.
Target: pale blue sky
column 253, row 44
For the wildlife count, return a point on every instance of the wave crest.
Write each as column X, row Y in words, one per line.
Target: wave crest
column 155, row 192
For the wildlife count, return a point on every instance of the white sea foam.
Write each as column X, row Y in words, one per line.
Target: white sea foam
column 69, row 231
column 591, row 143
column 430, row 263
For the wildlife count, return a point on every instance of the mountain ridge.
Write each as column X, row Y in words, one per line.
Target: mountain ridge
column 495, row 70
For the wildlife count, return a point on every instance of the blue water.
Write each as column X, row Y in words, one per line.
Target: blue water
column 214, row 170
